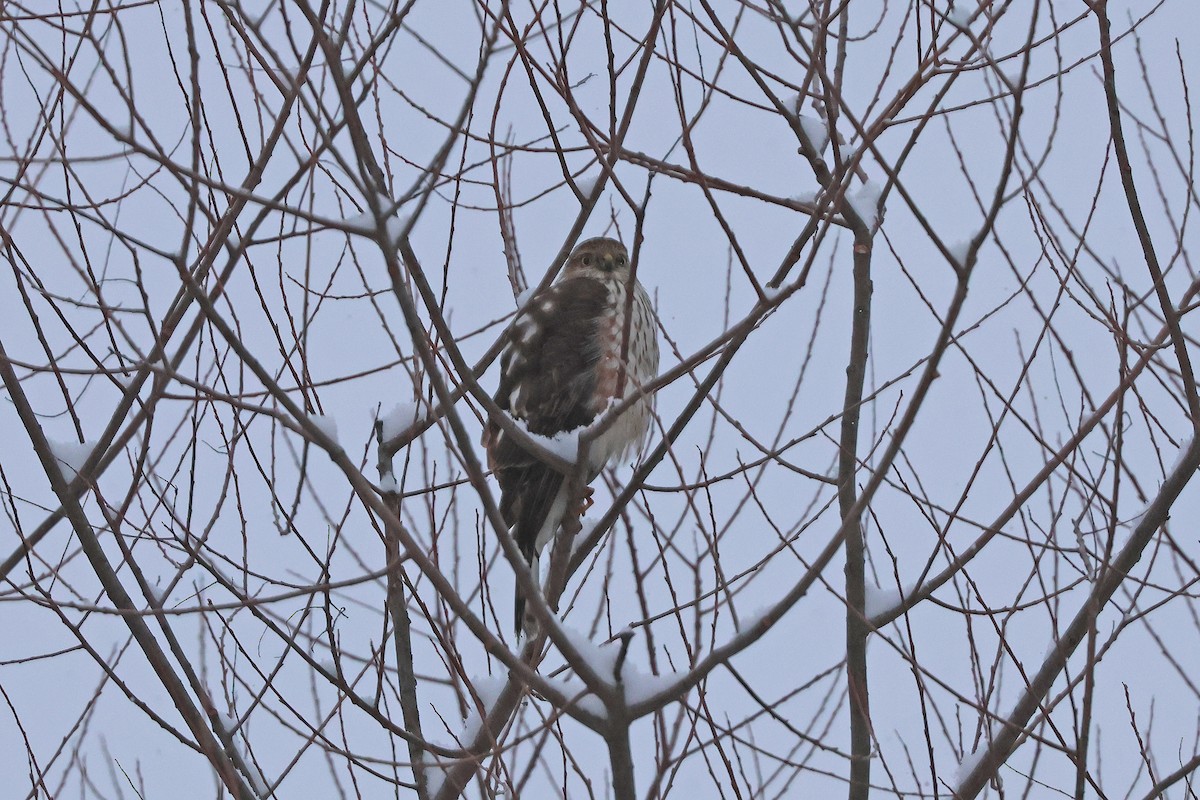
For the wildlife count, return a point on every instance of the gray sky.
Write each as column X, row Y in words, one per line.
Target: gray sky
column 786, row 382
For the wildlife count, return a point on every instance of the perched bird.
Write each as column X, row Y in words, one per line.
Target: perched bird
column 568, row 357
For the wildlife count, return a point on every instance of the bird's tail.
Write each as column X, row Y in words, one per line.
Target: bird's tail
column 523, row 625
column 537, row 520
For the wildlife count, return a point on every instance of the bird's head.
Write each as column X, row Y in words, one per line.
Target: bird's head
column 601, row 258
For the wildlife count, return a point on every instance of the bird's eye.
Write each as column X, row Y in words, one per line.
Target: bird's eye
column 587, row 260
column 620, row 261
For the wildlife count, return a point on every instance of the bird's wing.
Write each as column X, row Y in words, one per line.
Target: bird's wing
column 548, row 381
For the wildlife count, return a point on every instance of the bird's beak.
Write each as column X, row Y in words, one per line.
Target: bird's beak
column 608, row 262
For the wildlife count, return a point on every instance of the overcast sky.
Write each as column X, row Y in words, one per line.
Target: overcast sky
column 787, row 382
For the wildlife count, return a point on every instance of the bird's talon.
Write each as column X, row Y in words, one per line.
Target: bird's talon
column 586, row 501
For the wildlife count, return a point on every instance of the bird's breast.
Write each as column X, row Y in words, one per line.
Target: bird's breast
column 623, row 367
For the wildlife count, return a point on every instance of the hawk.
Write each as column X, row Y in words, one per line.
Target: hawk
column 568, row 357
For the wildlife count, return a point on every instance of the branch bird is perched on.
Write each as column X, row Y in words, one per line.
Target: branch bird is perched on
column 568, row 357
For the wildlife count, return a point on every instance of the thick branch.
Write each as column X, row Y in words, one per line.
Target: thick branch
column 857, row 627
column 1170, row 316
